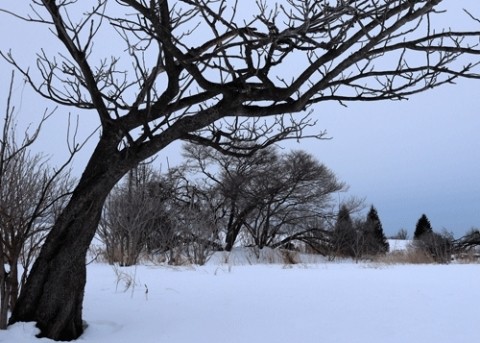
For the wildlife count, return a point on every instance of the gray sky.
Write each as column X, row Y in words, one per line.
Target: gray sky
column 406, row 158
column 412, row 157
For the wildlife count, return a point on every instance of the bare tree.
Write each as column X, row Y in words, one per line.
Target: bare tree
column 468, row 242
column 201, row 71
column 293, row 191
column 156, row 214
column 30, row 192
column 271, row 198
column 402, row 234
column 231, row 179
column 197, row 229
column 131, row 215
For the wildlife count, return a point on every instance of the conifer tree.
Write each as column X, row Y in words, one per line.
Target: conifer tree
column 423, row 227
column 344, row 235
column 377, row 241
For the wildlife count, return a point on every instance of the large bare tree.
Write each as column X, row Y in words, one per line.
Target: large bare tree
column 272, row 198
column 205, row 72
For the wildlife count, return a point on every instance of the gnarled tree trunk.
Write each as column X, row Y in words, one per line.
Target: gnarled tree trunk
column 53, row 294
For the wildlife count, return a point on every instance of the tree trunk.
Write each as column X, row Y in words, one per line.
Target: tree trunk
column 234, row 228
column 53, row 293
column 4, row 296
column 13, row 283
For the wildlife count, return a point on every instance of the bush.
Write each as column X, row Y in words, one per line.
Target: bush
column 438, row 246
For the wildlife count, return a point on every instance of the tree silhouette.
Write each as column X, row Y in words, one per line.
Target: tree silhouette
column 423, row 227
column 376, row 240
column 344, row 236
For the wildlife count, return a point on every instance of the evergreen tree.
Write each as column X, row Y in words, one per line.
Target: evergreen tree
column 423, row 227
column 377, row 242
column 344, row 235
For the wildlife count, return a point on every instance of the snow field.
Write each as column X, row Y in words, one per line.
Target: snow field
column 325, row 302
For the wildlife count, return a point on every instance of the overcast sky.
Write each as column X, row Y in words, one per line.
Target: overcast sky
column 406, row 158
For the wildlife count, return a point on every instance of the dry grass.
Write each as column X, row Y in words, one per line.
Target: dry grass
column 290, row 257
column 125, row 278
column 409, row 256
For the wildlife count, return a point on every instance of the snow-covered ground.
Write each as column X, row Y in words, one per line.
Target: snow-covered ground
column 242, row 302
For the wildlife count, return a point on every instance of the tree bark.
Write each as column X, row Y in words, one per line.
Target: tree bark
column 53, row 294
column 234, row 228
column 13, row 284
column 4, row 296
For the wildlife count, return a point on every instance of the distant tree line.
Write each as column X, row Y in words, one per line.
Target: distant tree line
column 215, row 202
column 357, row 238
